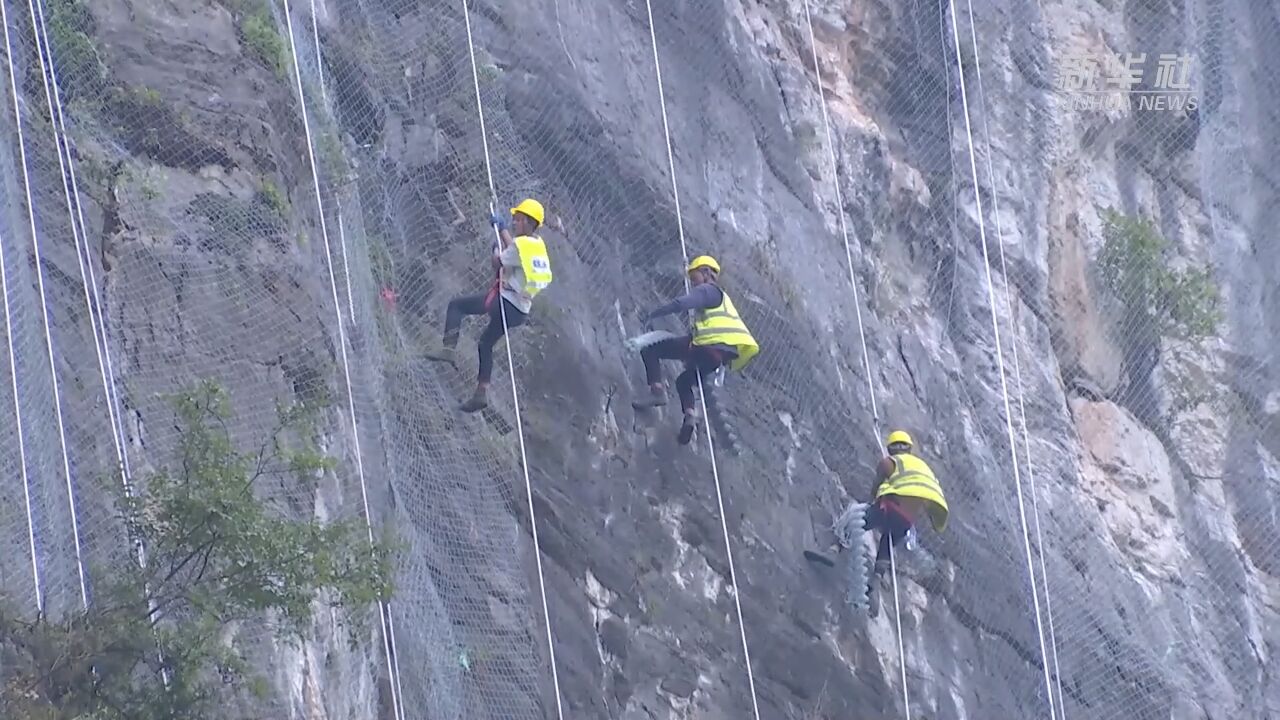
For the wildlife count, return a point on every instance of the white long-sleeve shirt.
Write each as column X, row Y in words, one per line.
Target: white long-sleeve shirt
column 513, row 280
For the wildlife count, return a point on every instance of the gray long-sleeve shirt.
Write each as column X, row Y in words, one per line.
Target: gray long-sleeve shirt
column 700, row 297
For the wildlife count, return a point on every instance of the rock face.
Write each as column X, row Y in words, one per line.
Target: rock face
column 221, row 228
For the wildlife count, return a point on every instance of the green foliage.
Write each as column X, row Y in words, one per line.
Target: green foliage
column 270, row 195
column 217, row 557
column 147, row 96
column 488, row 73
column 332, row 157
column 1179, row 303
column 81, row 72
column 380, row 262
column 258, row 30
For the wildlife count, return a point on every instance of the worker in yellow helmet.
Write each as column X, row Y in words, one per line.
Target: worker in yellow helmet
column 523, row 270
column 905, row 491
column 719, row 337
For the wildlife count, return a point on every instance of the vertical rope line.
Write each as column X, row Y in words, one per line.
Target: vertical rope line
column 394, row 670
column 897, row 618
column 396, row 700
column 87, row 279
column 515, row 393
column 44, row 314
column 862, row 337
column 1017, row 367
column 715, row 471
column 342, row 234
column 13, row 364
column 844, row 229
column 97, row 320
column 1004, row 389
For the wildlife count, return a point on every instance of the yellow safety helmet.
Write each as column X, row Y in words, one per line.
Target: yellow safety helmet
column 703, row 261
column 529, row 207
column 899, row 436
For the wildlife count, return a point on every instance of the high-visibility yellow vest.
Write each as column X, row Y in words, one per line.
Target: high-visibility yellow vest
column 914, row 478
column 722, row 326
column 536, row 264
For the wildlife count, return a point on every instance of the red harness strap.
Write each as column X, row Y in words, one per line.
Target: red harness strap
column 888, row 504
column 489, row 298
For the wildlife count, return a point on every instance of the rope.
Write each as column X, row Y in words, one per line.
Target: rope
column 44, row 313
column 342, row 240
column 13, row 365
column 844, row 229
column 515, row 393
column 79, row 235
column 17, row 415
column 862, row 336
column 383, row 606
column 88, row 279
column 342, row 233
column 1004, row 389
column 715, row 471
column 1017, row 371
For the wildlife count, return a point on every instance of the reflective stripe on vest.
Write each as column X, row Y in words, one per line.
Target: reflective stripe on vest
column 723, row 326
column 912, row 477
column 536, row 264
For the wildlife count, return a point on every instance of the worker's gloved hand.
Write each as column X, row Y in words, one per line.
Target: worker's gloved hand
column 498, row 221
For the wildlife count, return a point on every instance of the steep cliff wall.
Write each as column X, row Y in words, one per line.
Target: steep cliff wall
column 309, row 249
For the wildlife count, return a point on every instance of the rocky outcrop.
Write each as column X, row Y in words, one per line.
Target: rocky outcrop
column 229, row 239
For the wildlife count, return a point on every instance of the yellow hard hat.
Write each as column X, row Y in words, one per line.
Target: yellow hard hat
column 899, row 436
column 529, row 207
column 705, row 261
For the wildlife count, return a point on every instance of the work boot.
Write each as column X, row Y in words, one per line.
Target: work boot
column 442, row 354
column 686, row 429
column 657, row 398
column 824, row 556
column 478, row 400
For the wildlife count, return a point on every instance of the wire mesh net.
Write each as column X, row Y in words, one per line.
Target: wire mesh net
column 1089, row 387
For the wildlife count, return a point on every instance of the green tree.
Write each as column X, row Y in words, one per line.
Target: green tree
column 1176, row 303
column 1155, row 301
column 151, row 646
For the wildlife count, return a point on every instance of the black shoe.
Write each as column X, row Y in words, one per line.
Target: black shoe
column 478, row 401
column 686, row 430
column 817, row 557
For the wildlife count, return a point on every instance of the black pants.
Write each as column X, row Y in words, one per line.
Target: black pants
column 893, row 528
column 485, row 304
column 699, row 362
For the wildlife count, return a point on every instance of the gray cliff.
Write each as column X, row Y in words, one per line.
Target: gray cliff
column 1152, row 490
